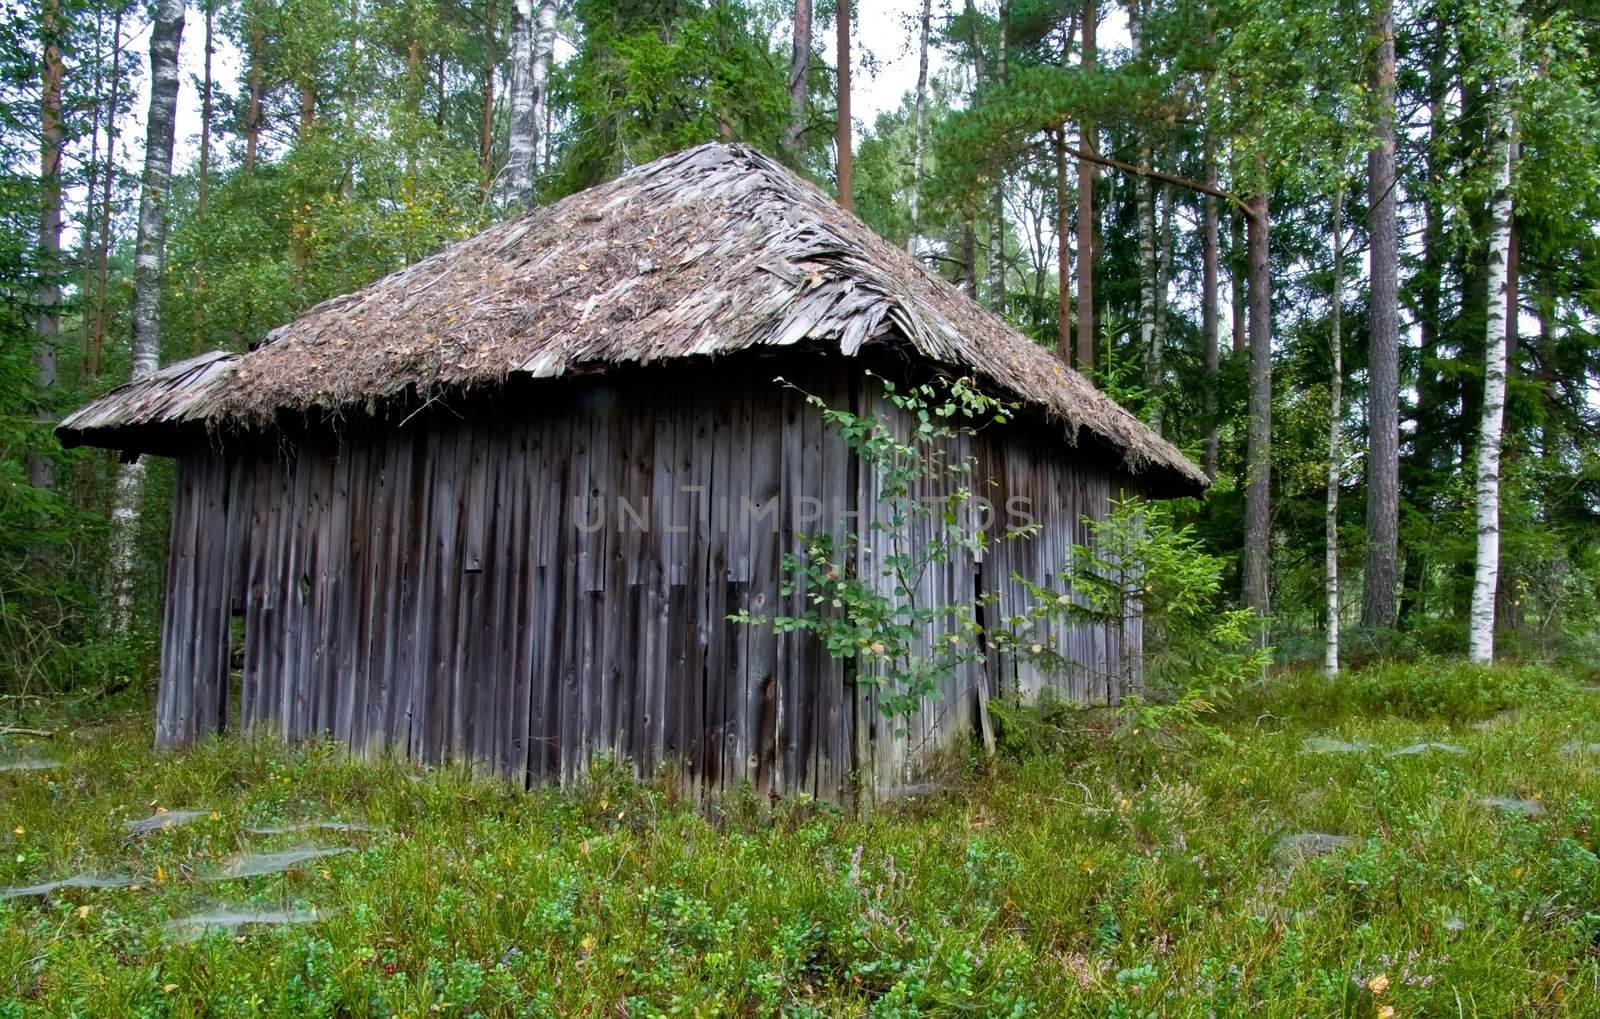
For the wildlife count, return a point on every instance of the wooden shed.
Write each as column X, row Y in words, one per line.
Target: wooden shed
column 388, row 506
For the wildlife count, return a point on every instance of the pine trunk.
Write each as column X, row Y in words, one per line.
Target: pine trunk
column 252, row 126
column 800, row 78
column 914, row 198
column 1383, row 391
column 842, row 140
column 1258, row 452
column 1166, row 238
column 166, row 35
column 1335, row 419
column 41, row 467
column 486, row 121
column 1210, row 240
column 1486, row 575
column 1238, row 270
column 997, row 200
column 1063, row 252
column 1087, row 172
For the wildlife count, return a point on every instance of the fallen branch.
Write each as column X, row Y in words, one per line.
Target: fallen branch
column 11, row 730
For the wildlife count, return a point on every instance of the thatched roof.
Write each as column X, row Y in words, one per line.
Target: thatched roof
column 710, row 251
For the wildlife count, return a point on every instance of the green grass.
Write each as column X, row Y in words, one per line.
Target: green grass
column 1090, row 881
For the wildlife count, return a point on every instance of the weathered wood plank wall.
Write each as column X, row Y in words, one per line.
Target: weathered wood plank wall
column 541, row 581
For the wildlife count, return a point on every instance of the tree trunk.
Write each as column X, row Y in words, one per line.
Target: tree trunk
column 1210, row 241
column 914, row 199
column 1166, row 237
column 103, row 255
column 1383, row 391
column 517, row 190
column 800, row 78
column 1480, row 643
column 544, row 51
column 842, row 142
column 997, row 201
column 1238, row 262
column 1146, row 200
column 1335, row 419
column 166, row 35
column 202, row 186
column 41, row 467
column 491, row 59
column 1258, row 453
column 252, row 117
column 1087, row 172
column 1063, row 254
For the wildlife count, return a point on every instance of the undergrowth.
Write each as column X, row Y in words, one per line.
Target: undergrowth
column 1066, row 877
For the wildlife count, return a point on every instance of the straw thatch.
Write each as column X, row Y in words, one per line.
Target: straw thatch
column 710, row 251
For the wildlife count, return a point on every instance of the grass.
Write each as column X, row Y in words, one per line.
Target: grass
column 1098, row 879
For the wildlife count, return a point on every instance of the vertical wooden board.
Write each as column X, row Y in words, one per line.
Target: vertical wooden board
column 786, row 748
column 487, row 680
column 638, row 568
column 440, row 617
column 174, row 692
column 471, row 590
column 678, row 529
column 352, row 535
column 616, row 607
column 760, row 672
column 699, row 571
column 570, row 606
column 715, row 593
column 515, row 555
column 830, row 756
column 660, row 671
column 554, row 437
column 368, row 712
column 735, row 526
column 258, row 538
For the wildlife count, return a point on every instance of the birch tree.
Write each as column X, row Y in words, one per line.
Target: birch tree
column 522, row 138
column 166, row 35
column 1486, row 574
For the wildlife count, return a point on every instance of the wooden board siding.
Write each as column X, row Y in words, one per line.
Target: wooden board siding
column 546, row 578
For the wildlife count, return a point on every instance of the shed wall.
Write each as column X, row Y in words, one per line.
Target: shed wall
column 548, row 579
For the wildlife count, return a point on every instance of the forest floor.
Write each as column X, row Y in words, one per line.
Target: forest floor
column 1313, row 857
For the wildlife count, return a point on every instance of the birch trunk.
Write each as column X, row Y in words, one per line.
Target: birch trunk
column 1335, row 417
column 166, row 35
column 1087, row 173
column 41, row 468
column 1210, row 240
column 517, row 183
column 1486, row 576
column 1383, row 397
column 842, row 130
column 1258, row 442
column 544, row 52
column 800, row 77
column 914, row 199
column 203, row 186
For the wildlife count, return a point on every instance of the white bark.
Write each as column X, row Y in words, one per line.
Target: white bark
column 913, row 199
column 1165, row 237
column 517, row 181
column 1335, row 417
column 166, row 35
column 1486, row 575
column 544, row 49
